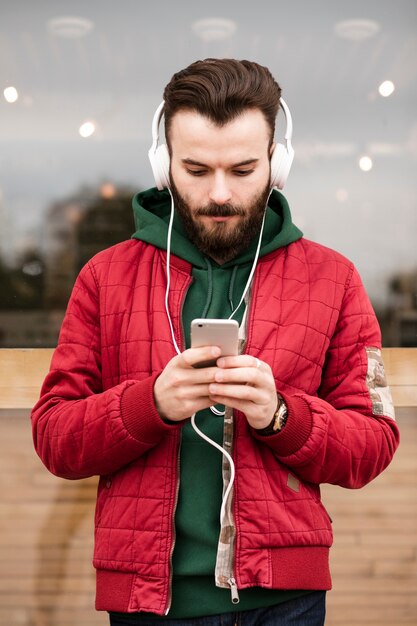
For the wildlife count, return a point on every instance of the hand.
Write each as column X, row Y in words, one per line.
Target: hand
column 245, row 383
column 181, row 389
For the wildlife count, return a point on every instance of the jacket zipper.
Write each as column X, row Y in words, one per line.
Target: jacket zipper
column 231, row 581
column 177, row 488
column 224, row 571
column 233, row 590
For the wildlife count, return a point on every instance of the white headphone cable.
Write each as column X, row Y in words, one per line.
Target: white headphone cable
column 194, row 425
column 231, row 464
column 255, row 261
column 168, row 269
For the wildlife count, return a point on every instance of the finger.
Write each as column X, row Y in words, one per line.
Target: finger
column 192, row 392
column 195, row 356
column 193, row 406
column 244, row 405
column 184, row 377
column 240, row 375
column 233, row 403
column 242, row 360
column 180, row 411
column 248, row 393
column 187, row 401
column 258, row 416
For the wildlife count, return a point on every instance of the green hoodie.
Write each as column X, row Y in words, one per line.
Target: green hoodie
column 215, row 292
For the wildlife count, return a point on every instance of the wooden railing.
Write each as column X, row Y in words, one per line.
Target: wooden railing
column 22, row 373
column 46, row 576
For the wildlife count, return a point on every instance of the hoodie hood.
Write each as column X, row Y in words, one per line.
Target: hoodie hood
column 152, row 209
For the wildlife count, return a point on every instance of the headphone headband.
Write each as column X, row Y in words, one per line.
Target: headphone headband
column 281, row 158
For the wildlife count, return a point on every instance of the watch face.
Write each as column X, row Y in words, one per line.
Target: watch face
column 280, row 416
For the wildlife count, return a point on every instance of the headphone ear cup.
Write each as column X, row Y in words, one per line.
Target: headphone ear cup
column 281, row 161
column 160, row 166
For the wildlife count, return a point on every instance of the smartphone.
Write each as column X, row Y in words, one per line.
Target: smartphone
column 215, row 332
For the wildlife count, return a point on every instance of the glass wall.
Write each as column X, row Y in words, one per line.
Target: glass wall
column 79, row 86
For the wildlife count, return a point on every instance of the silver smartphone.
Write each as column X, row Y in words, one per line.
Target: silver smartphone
column 215, row 332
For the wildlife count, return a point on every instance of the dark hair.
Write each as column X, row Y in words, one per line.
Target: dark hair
column 221, row 89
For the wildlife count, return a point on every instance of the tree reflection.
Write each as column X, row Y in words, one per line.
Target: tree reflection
column 36, row 287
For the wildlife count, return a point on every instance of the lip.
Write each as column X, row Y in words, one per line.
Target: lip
column 226, row 218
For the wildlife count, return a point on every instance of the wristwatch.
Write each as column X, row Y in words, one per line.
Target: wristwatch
column 279, row 419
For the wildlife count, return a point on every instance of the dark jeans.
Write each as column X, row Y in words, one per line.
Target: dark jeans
column 308, row 610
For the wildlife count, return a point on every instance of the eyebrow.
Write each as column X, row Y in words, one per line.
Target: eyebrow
column 240, row 164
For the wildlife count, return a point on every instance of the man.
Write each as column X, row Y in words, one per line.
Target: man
column 306, row 399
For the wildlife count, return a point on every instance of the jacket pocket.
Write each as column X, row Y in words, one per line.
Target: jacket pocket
column 316, row 495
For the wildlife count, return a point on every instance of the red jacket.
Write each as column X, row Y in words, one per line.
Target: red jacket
column 311, row 320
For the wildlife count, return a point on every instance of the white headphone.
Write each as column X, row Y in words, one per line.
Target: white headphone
column 281, row 159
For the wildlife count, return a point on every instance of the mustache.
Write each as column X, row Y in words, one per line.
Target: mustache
column 215, row 210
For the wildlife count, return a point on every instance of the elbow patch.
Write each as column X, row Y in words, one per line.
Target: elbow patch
column 377, row 385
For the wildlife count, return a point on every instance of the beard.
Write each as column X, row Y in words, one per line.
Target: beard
column 220, row 241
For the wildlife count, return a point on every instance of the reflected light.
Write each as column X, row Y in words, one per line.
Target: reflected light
column 70, row 26
column 386, row 88
column 365, row 163
column 87, row 129
column 73, row 214
column 214, row 28
column 32, row 268
column 10, row 94
column 357, row 29
column 107, row 191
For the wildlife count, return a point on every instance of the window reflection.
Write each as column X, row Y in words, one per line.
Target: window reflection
column 77, row 101
column 36, row 287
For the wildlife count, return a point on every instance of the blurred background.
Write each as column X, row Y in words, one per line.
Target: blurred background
column 80, row 82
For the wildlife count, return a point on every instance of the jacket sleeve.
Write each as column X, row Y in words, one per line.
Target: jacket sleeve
column 347, row 434
column 79, row 429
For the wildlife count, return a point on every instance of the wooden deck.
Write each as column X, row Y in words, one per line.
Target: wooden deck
column 46, row 538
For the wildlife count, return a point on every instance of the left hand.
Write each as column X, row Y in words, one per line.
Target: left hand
column 246, row 383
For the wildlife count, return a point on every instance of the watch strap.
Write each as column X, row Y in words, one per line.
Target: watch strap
column 278, row 421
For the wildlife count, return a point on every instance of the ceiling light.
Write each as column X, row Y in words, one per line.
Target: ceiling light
column 213, row 29
column 69, row 27
column 10, row 94
column 365, row 163
column 356, row 30
column 386, row 88
column 87, row 129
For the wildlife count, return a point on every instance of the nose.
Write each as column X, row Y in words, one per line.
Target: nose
column 220, row 192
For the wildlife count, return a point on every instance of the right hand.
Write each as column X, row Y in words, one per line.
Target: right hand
column 181, row 389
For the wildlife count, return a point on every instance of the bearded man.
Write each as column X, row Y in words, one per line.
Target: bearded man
column 304, row 402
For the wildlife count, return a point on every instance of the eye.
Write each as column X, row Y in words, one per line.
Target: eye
column 243, row 172
column 196, row 172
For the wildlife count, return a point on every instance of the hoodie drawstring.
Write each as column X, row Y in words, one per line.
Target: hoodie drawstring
column 209, row 288
column 231, row 287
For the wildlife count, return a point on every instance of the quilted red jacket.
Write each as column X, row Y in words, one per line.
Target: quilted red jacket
column 311, row 320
